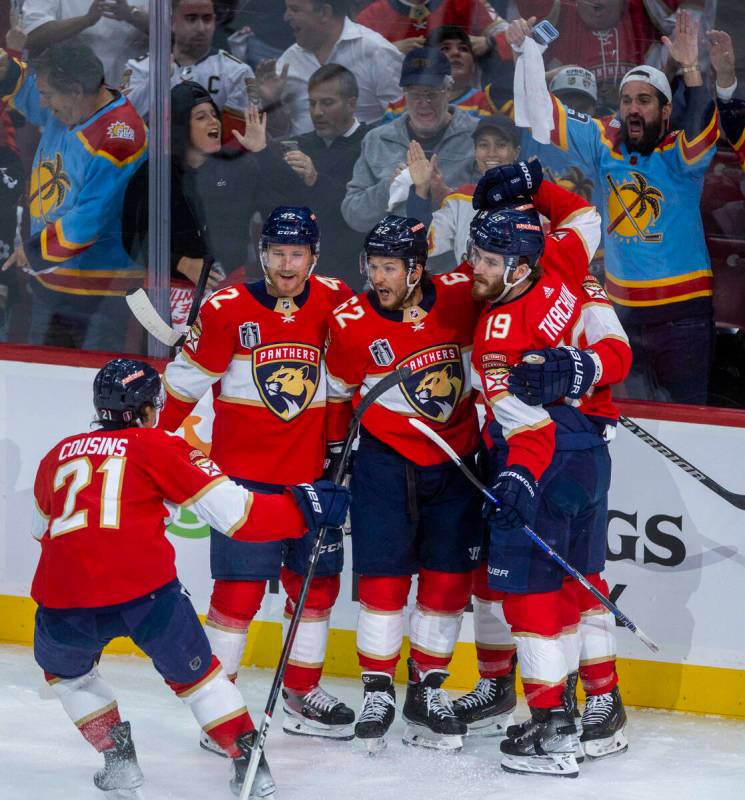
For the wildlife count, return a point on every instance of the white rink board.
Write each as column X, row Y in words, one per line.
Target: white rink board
column 680, row 548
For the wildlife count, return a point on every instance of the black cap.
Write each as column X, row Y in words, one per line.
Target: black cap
column 446, row 32
column 184, row 96
column 502, row 124
column 425, row 66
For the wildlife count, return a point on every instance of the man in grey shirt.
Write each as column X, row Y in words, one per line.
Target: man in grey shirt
column 429, row 129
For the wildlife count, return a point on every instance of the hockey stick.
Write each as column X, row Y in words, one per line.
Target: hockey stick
column 737, row 500
column 144, row 311
column 389, row 381
column 550, row 552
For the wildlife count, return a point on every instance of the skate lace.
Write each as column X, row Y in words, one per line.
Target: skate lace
column 438, row 703
column 480, row 696
column 320, row 699
column 375, row 706
column 597, row 709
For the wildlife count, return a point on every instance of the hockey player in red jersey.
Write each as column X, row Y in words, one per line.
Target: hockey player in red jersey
column 412, row 512
column 259, row 347
column 106, row 568
column 550, row 464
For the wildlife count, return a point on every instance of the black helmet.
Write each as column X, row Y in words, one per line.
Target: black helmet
column 397, row 237
column 120, row 390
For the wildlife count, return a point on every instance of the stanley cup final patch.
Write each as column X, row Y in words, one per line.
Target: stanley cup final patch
column 436, row 382
column 249, row 334
column 286, row 376
column 382, row 352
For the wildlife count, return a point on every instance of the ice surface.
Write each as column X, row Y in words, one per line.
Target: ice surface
column 671, row 756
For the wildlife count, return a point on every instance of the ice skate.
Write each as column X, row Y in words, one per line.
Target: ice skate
column 429, row 712
column 377, row 712
column 121, row 775
column 317, row 713
column 604, row 725
column 543, row 745
column 210, row 745
column 263, row 785
column 487, row 709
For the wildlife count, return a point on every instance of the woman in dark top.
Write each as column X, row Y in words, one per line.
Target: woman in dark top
column 214, row 193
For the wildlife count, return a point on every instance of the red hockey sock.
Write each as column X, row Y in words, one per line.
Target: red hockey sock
column 97, row 730
column 536, row 625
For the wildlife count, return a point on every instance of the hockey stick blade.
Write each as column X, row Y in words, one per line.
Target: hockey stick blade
column 547, row 549
column 145, row 313
column 737, row 500
column 381, row 387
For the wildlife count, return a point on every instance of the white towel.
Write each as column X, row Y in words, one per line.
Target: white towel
column 399, row 191
column 533, row 107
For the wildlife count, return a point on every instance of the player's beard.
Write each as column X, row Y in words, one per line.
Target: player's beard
column 486, row 288
column 650, row 138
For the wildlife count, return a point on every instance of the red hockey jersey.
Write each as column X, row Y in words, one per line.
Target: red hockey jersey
column 397, row 21
column 101, row 514
column 434, row 339
column 565, row 306
column 265, row 355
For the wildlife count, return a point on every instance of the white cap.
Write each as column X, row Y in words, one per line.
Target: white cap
column 650, row 75
column 575, row 79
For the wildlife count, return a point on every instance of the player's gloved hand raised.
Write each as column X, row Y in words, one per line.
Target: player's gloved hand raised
column 323, row 503
column 515, row 489
column 332, row 460
column 501, row 185
column 545, row 376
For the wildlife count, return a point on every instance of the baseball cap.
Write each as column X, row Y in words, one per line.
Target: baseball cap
column 650, row 75
column 425, row 66
column 502, row 124
column 575, row 79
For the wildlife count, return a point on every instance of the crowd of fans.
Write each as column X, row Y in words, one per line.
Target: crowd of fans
column 358, row 109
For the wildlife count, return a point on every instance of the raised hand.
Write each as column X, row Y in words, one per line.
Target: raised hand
column 253, row 138
column 406, row 45
column 518, row 30
column 722, row 55
column 683, row 48
column 420, row 168
column 269, row 84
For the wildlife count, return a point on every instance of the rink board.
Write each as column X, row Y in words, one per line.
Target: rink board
column 676, row 552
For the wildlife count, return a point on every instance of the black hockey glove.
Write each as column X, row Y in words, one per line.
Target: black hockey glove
column 501, row 185
column 545, row 376
column 332, row 460
column 322, row 503
column 515, row 489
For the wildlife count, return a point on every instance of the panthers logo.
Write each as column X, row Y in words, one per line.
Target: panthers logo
column 287, row 377
column 436, row 382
